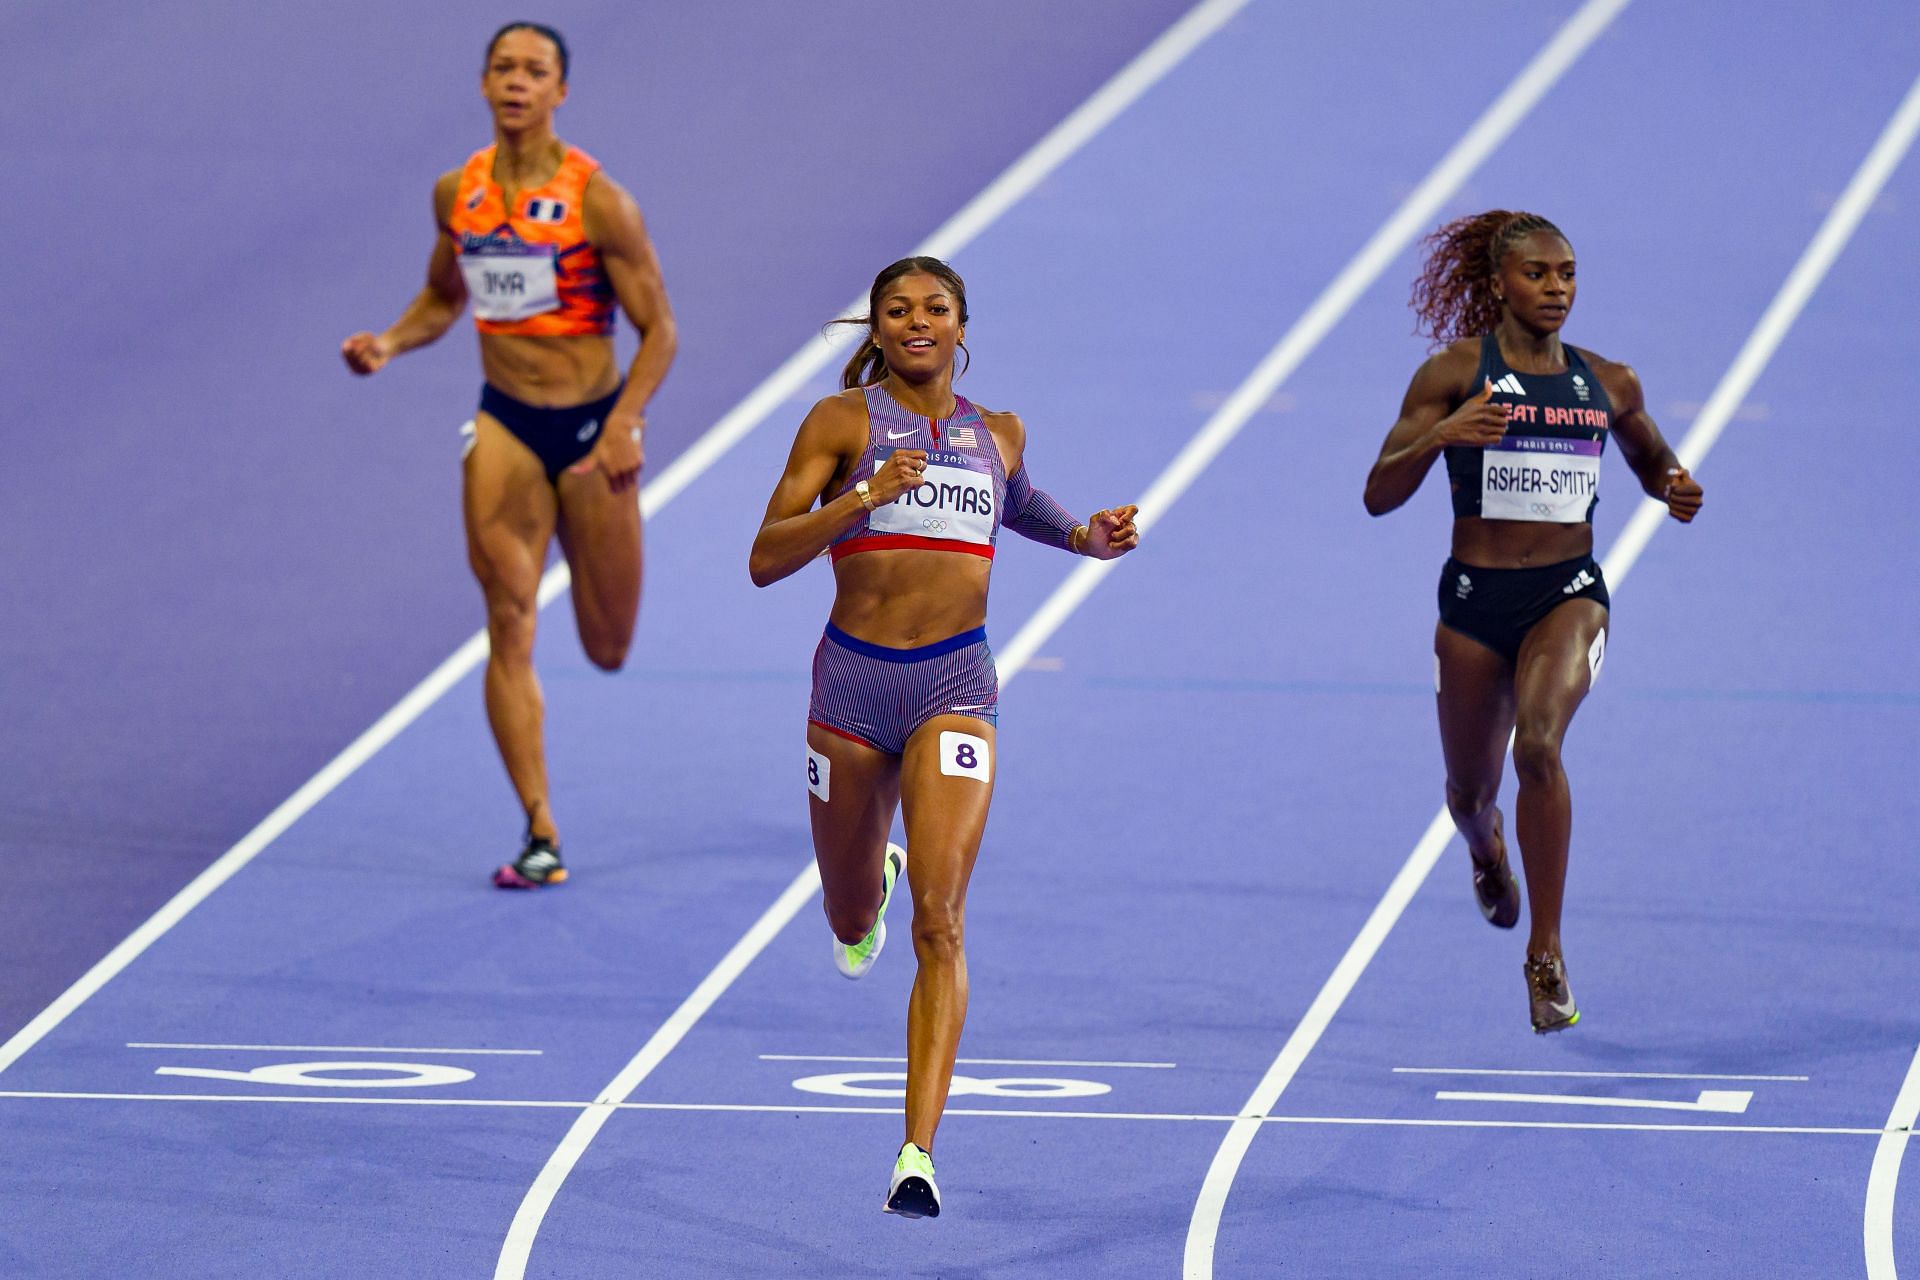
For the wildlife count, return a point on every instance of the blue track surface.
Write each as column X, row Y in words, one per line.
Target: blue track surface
column 219, row 541
column 1210, row 773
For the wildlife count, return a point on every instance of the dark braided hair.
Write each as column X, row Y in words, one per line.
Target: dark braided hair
column 539, row 29
column 1453, row 298
column 868, row 365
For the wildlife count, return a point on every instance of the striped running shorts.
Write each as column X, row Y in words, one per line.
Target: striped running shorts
column 879, row 696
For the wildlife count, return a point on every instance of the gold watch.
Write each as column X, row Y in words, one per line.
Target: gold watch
column 865, row 491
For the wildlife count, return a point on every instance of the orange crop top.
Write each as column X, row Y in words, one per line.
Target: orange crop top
column 531, row 271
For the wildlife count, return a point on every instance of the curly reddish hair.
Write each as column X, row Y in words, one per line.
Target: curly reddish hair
column 1453, row 297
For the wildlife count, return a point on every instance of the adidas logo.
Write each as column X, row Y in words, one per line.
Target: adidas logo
column 1581, row 581
column 1511, row 385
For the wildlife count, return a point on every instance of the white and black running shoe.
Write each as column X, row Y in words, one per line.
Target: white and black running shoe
column 914, row 1193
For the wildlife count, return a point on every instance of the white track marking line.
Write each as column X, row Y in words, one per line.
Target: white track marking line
column 1832, row 237
column 518, row 1246
column 1060, row 143
column 1339, row 297
column 1730, row 1101
column 547, row 1104
column 1088, row 119
column 1818, row 258
column 1586, row 1075
column 1884, row 1180
column 332, row 1048
column 965, row 1062
column 294, row 1098
column 1486, row 134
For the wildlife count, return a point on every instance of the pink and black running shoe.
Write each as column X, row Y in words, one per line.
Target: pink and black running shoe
column 537, row 867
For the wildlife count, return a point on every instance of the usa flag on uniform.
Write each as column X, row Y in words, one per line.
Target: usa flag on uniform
column 540, row 210
column 963, row 438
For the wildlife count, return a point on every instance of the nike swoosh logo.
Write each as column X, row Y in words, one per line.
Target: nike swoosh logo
column 980, row 707
column 1562, row 1009
column 899, row 435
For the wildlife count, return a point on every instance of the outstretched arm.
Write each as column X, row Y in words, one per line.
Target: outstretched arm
column 432, row 311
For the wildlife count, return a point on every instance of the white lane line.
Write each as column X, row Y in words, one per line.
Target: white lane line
column 1884, row 1180
column 1732, row 1102
column 298, row 1098
column 1060, row 143
column 1335, row 301
column 543, row 1104
column 332, row 1048
column 964, row 1062
column 1012, row 186
column 1765, row 339
column 518, row 1246
column 1821, row 253
column 1486, row 134
column 1586, row 1075
column 782, row 385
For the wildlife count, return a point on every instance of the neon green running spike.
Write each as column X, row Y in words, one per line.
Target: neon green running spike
column 914, row 1193
column 855, row 960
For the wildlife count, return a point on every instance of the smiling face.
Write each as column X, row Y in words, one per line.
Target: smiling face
column 522, row 81
column 1535, row 281
column 917, row 326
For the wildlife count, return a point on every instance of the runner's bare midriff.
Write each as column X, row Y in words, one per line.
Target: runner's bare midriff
column 1518, row 544
column 905, row 598
column 549, row 372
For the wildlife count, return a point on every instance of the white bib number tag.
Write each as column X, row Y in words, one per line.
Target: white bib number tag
column 1542, row 478
column 506, row 286
column 819, row 774
column 963, row 755
column 955, row 504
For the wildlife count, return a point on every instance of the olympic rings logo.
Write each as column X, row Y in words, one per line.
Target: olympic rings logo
column 933, row 524
column 1542, row 508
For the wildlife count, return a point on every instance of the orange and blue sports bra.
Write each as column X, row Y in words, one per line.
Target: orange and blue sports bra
column 531, row 270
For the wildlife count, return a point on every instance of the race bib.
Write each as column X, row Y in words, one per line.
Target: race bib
column 956, row 502
column 511, row 284
column 965, row 755
column 1543, row 478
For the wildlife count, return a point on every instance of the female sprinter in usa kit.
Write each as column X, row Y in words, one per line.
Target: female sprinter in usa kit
column 546, row 246
column 1522, row 419
column 908, row 484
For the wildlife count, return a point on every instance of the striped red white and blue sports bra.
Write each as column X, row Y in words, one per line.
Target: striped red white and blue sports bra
column 957, row 509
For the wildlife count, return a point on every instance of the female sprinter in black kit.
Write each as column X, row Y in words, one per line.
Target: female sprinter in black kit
column 1522, row 419
column 907, row 484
